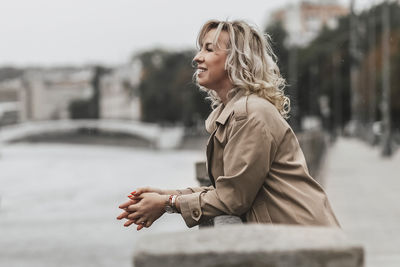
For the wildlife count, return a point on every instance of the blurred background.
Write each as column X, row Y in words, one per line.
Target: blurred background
column 97, row 98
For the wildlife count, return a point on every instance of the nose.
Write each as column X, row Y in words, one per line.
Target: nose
column 198, row 58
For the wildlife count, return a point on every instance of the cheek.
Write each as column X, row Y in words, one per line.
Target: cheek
column 220, row 67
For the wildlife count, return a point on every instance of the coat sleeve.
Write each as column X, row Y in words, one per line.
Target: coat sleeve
column 191, row 190
column 247, row 159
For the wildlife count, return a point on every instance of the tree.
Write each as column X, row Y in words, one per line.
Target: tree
column 166, row 89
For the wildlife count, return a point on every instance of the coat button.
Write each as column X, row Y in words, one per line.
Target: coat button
column 196, row 213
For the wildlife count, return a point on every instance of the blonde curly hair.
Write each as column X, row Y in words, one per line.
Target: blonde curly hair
column 251, row 63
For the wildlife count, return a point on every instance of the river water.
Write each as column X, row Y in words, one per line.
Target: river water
column 58, row 202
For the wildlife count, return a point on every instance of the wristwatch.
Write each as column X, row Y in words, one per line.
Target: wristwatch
column 170, row 206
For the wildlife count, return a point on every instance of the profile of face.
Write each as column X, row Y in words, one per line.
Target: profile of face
column 210, row 60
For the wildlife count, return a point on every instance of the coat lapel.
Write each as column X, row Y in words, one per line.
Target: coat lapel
column 209, row 150
column 218, row 117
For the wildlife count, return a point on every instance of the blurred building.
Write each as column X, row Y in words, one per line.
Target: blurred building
column 304, row 20
column 49, row 92
column 43, row 94
column 10, row 105
column 46, row 94
column 118, row 96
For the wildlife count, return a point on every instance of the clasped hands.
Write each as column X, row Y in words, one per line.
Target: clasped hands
column 144, row 207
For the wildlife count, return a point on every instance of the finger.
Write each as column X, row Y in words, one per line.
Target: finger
column 141, row 190
column 135, row 221
column 137, row 192
column 132, row 208
column 140, row 222
column 135, row 198
column 128, row 223
column 134, row 216
column 126, row 204
column 123, row 215
column 148, row 224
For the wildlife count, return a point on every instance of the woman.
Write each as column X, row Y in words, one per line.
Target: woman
column 254, row 160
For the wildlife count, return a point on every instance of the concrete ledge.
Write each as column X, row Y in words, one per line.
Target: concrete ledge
column 250, row 245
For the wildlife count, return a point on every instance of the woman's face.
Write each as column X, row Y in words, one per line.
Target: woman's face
column 210, row 61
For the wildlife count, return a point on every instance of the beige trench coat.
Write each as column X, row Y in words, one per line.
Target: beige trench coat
column 257, row 169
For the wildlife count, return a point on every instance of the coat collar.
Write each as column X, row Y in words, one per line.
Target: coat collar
column 222, row 113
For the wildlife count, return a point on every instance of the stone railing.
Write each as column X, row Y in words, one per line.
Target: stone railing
column 250, row 245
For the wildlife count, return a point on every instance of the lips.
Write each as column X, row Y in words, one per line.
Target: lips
column 200, row 70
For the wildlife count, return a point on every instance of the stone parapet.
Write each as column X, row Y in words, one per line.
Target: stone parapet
column 250, row 245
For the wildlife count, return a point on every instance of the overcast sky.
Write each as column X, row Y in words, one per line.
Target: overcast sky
column 57, row 32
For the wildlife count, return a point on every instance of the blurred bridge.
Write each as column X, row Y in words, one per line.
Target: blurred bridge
column 157, row 136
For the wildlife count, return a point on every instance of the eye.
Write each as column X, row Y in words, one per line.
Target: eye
column 209, row 48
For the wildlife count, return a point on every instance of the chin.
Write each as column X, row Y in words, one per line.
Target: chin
column 199, row 82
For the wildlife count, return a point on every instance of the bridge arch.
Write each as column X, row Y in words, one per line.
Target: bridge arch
column 155, row 135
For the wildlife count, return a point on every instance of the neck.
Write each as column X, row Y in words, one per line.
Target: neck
column 223, row 94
